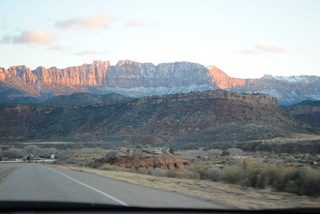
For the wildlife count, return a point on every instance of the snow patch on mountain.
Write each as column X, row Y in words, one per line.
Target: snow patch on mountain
column 151, row 91
column 293, row 79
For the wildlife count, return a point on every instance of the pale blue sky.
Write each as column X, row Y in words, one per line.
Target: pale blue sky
column 244, row 38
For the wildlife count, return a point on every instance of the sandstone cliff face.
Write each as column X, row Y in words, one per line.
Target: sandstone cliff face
column 100, row 77
column 136, row 79
column 126, row 74
column 88, row 74
column 287, row 90
column 222, row 80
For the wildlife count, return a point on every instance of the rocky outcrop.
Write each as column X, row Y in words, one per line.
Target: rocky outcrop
column 222, row 80
column 144, row 158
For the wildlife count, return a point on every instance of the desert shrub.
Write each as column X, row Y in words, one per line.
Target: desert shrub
column 225, row 153
column 171, row 150
column 285, row 179
column 200, row 171
column 136, row 155
column 94, row 165
column 310, row 182
column 145, row 171
column 235, row 151
column 139, row 146
column 214, row 174
column 109, row 167
column 205, row 173
column 173, row 173
column 142, row 171
column 291, row 160
column 233, row 174
column 188, row 174
column 159, row 172
column 214, row 152
column 256, row 175
column 301, row 181
column 201, row 151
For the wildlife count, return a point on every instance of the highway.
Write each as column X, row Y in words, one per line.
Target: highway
column 40, row 182
column 7, row 169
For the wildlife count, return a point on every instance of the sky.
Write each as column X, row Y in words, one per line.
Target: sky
column 244, row 38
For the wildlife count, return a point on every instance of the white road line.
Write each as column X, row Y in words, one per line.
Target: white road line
column 103, row 193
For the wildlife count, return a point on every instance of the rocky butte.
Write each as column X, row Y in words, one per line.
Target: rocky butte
column 131, row 78
column 158, row 157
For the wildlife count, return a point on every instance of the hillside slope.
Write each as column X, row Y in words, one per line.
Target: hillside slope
column 82, row 98
column 152, row 120
column 307, row 111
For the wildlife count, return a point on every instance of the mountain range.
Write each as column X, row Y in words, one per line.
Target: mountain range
column 134, row 79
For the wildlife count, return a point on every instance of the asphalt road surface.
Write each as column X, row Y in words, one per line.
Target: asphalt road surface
column 39, row 182
column 7, row 168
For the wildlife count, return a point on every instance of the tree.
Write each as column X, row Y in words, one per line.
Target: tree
column 16, row 151
column 31, row 149
column 47, row 152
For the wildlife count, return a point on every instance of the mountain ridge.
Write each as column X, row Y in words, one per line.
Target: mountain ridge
column 134, row 79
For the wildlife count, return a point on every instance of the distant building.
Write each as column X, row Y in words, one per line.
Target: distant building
column 4, row 159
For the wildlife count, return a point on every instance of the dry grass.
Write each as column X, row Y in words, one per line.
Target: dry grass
column 5, row 164
column 232, row 195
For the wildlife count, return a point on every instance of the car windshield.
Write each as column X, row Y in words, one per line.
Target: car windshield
column 194, row 104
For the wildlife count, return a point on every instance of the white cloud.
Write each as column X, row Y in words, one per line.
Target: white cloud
column 58, row 48
column 270, row 48
column 28, row 37
column 264, row 48
column 87, row 52
column 140, row 23
column 6, row 39
column 249, row 51
column 92, row 23
column 93, row 52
